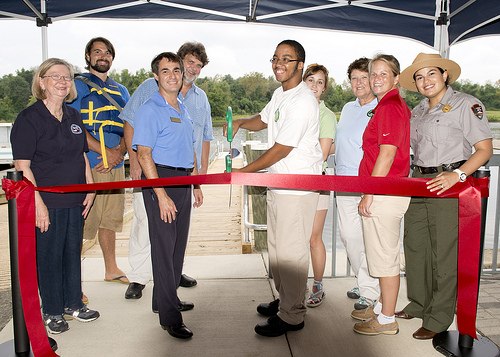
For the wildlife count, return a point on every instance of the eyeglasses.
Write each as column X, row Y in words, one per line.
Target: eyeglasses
column 58, row 77
column 284, row 60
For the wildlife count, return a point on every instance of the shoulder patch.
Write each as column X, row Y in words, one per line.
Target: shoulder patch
column 276, row 115
column 478, row 111
column 75, row 129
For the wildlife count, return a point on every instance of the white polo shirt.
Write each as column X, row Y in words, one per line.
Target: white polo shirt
column 292, row 119
column 349, row 136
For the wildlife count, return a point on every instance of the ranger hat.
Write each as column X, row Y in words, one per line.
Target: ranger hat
column 428, row 60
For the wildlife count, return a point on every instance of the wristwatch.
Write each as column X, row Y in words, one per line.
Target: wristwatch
column 461, row 175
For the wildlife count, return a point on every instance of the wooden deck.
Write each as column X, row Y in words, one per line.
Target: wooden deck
column 215, row 227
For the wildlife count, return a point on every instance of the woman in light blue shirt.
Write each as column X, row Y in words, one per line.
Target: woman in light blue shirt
column 348, row 154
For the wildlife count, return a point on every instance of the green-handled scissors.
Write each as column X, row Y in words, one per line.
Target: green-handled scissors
column 229, row 157
column 229, row 122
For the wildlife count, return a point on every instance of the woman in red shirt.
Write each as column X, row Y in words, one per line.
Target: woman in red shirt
column 386, row 146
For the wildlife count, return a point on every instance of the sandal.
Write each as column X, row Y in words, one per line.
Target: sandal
column 315, row 299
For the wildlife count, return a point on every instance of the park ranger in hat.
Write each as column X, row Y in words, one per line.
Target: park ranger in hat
column 445, row 126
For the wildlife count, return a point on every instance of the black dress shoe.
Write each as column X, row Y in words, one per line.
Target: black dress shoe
column 178, row 331
column 185, row 305
column 269, row 308
column 275, row 326
column 187, row 282
column 134, row 291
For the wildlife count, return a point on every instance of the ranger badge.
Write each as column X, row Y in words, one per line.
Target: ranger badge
column 478, row 111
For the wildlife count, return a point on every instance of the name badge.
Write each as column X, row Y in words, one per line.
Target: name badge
column 446, row 108
column 175, row 120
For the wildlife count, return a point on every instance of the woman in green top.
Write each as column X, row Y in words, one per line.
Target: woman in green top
column 316, row 78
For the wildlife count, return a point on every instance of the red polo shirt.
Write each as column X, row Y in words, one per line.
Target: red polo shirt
column 390, row 125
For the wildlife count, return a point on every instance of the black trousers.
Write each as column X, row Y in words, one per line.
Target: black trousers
column 168, row 245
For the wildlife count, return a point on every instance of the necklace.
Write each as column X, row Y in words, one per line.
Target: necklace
column 58, row 116
column 53, row 111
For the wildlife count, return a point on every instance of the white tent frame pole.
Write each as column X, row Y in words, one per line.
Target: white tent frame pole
column 443, row 50
column 340, row 3
column 15, row 16
column 462, row 8
column 32, row 8
column 99, row 10
column 146, row 2
column 43, row 28
column 441, row 40
column 198, row 9
column 45, row 41
column 252, row 10
column 475, row 28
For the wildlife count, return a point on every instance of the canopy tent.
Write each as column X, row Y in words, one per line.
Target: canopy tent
column 437, row 23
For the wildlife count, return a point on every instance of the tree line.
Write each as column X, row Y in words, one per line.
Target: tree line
column 246, row 95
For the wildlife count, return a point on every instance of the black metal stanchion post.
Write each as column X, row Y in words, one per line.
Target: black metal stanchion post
column 21, row 343
column 452, row 343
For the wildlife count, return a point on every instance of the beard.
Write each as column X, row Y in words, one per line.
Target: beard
column 189, row 78
column 101, row 68
column 290, row 73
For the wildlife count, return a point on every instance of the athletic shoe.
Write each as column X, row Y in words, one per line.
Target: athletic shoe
column 84, row 314
column 55, row 323
column 353, row 293
column 363, row 303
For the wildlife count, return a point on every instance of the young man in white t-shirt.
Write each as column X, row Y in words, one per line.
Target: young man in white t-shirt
column 292, row 120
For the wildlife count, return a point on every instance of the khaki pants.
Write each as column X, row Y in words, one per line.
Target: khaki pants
column 382, row 234
column 290, row 220
column 107, row 210
column 351, row 234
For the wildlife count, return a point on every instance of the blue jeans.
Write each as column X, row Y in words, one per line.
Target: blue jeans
column 58, row 261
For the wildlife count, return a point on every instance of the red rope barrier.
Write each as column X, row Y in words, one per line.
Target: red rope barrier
column 469, row 194
column 24, row 192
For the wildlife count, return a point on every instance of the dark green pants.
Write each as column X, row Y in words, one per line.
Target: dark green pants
column 431, row 249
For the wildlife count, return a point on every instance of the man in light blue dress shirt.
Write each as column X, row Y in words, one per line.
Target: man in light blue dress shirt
column 194, row 58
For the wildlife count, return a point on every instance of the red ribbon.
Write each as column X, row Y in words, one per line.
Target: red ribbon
column 24, row 192
column 469, row 233
column 469, row 194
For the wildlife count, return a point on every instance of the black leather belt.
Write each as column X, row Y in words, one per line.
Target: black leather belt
column 175, row 168
column 444, row 167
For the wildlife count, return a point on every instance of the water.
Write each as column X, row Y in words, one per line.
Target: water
column 495, row 130
column 221, row 142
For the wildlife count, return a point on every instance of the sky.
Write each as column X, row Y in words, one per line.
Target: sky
column 234, row 49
